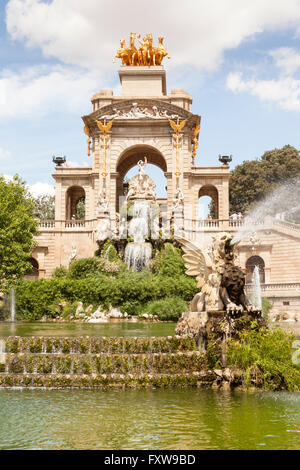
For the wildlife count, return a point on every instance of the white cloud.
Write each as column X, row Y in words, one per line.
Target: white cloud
column 41, row 189
column 42, row 89
column 4, row 154
column 36, row 189
column 284, row 91
column 86, row 33
column 72, row 164
column 287, row 58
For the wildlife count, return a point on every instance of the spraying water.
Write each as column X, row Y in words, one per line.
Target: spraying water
column 256, row 288
column 282, row 205
column 12, row 305
column 138, row 253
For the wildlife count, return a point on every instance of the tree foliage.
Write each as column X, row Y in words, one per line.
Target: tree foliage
column 253, row 180
column 131, row 291
column 169, row 261
column 17, row 227
column 45, row 207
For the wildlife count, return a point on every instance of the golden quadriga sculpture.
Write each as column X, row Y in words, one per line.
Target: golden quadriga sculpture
column 146, row 54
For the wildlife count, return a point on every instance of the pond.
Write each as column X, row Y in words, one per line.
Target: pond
column 112, row 328
column 148, row 419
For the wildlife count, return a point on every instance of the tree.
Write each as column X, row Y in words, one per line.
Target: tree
column 253, row 180
column 17, row 228
column 80, row 209
column 45, row 207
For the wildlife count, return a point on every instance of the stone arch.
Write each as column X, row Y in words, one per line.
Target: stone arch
column 211, row 191
column 250, row 265
column 74, row 194
column 34, row 274
column 130, row 157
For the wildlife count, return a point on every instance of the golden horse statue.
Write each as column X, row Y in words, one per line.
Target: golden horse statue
column 145, row 55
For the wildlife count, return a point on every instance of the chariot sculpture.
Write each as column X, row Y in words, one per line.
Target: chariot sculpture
column 145, row 55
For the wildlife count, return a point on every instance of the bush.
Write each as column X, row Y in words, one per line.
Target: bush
column 112, row 267
column 60, row 271
column 268, row 355
column 169, row 261
column 84, row 267
column 132, row 307
column 35, row 298
column 109, row 252
column 167, row 309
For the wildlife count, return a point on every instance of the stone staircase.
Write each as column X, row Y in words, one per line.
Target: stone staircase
column 89, row 362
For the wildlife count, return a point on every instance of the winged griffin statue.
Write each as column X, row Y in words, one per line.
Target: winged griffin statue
column 221, row 282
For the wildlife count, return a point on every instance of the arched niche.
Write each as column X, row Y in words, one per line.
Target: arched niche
column 34, row 272
column 129, row 158
column 212, row 192
column 250, row 265
column 74, row 196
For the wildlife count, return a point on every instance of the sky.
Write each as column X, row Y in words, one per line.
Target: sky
column 239, row 59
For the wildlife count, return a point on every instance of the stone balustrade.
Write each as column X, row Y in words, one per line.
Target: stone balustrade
column 192, row 226
column 284, row 286
column 45, row 225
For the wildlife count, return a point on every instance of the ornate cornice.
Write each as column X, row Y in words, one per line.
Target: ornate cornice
column 150, row 110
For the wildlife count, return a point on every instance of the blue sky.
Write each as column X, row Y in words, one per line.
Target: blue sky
column 239, row 59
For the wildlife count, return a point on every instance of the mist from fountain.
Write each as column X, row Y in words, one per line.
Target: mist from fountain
column 138, row 253
column 282, row 204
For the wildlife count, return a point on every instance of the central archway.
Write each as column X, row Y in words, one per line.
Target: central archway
column 129, row 158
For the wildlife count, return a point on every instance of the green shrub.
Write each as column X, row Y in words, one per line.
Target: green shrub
column 167, row 309
column 60, row 271
column 132, row 307
column 69, row 310
column 169, row 261
column 84, row 267
column 41, row 297
column 113, row 268
column 109, row 252
column 269, row 353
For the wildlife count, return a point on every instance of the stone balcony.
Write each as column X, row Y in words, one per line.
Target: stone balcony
column 192, row 226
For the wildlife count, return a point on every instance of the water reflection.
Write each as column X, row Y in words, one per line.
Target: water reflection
column 112, row 328
column 148, row 419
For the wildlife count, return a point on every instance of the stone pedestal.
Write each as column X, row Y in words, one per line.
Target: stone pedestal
column 143, row 81
column 212, row 329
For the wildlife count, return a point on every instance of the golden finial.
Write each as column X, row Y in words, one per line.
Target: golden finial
column 146, row 54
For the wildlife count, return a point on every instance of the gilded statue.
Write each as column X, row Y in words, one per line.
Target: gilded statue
column 147, row 54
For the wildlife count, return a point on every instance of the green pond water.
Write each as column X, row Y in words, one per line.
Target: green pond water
column 112, row 328
column 141, row 419
column 148, row 419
